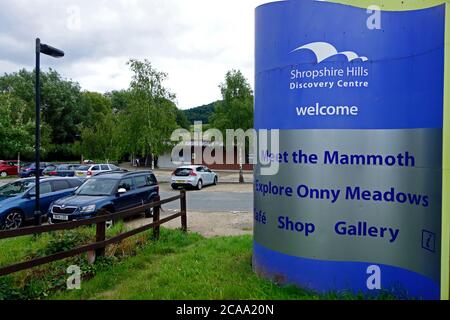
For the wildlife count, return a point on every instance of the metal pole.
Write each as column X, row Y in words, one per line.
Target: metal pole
column 37, row 211
column 241, row 172
column 183, row 211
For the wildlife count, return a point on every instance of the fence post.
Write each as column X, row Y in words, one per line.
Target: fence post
column 156, row 214
column 183, row 211
column 100, row 235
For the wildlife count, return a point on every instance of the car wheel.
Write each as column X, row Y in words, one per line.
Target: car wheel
column 13, row 220
column 110, row 223
column 216, row 181
column 199, row 185
column 149, row 212
column 4, row 174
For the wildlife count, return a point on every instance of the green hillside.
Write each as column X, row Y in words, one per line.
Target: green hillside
column 201, row 113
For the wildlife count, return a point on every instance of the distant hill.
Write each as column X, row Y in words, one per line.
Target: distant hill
column 201, row 113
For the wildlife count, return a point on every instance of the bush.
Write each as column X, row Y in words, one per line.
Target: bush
column 40, row 282
column 64, row 241
column 66, row 152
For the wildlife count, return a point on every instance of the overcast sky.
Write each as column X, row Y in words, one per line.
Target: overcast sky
column 194, row 41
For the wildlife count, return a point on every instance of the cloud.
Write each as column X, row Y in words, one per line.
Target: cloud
column 324, row 50
column 195, row 41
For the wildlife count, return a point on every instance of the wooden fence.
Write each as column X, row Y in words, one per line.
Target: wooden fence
column 101, row 242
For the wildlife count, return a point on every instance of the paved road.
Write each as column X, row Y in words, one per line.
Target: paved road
column 205, row 201
column 5, row 181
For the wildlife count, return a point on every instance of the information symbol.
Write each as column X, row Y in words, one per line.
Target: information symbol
column 429, row 241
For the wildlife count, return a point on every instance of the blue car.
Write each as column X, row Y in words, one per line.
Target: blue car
column 30, row 170
column 17, row 199
column 113, row 191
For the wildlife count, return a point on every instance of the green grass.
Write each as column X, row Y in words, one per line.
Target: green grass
column 17, row 249
column 189, row 267
column 9, row 177
column 178, row 266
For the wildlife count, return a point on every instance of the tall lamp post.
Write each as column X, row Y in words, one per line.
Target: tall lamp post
column 55, row 53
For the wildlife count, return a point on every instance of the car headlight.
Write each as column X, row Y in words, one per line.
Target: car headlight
column 88, row 209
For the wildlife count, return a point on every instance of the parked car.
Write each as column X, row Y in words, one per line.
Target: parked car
column 30, row 170
column 49, row 170
column 64, row 170
column 82, row 171
column 112, row 191
column 8, row 168
column 193, row 176
column 17, row 199
column 94, row 169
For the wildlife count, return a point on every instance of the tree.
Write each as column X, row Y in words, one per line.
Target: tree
column 150, row 117
column 95, row 106
column 16, row 134
column 182, row 120
column 61, row 104
column 103, row 140
column 235, row 111
column 119, row 99
column 61, row 107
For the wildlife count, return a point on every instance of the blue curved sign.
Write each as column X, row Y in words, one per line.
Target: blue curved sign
column 356, row 204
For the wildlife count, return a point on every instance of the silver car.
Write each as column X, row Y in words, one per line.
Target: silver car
column 193, row 176
column 91, row 170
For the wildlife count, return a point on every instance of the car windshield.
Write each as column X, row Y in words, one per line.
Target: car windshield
column 83, row 168
column 15, row 188
column 97, row 187
column 183, row 172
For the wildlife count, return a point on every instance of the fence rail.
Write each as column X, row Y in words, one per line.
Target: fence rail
column 101, row 242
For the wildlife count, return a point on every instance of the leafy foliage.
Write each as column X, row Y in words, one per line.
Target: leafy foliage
column 235, row 111
column 60, row 98
column 151, row 115
column 135, row 121
column 16, row 131
column 103, row 140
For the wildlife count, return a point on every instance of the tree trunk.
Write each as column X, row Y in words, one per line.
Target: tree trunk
column 147, row 160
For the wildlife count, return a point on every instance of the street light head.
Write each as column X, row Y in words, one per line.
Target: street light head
column 51, row 51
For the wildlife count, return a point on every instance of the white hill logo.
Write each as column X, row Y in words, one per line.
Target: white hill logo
column 324, row 50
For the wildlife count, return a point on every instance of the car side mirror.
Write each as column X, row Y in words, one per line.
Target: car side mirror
column 30, row 195
column 122, row 191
